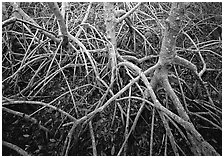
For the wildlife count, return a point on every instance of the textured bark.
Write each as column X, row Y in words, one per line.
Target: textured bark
column 110, row 21
column 168, row 56
column 61, row 21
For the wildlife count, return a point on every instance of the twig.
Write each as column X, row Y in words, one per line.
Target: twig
column 178, row 105
column 127, row 121
column 26, row 117
column 84, row 19
column 14, row 19
column 207, row 120
column 16, row 148
column 92, row 138
column 132, row 127
column 141, row 60
column 169, row 134
column 62, row 26
column 22, row 15
column 181, row 90
column 128, row 13
column 69, row 138
column 115, row 96
column 165, row 150
column 42, row 104
column 152, row 129
column 54, row 7
column 199, row 53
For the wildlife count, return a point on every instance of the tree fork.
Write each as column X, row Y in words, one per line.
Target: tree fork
column 168, row 56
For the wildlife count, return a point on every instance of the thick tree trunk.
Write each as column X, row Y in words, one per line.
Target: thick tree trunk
column 167, row 56
column 110, row 21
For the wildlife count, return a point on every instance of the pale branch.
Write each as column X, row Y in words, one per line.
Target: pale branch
column 181, row 89
column 177, row 104
column 20, row 14
column 69, row 87
column 12, row 102
column 187, row 125
column 127, row 121
column 19, row 69
column 140, row 34
column 199, row 53
column 14, row 19
column 15, row 148
column 206, row 120
column 151, row 92
column 8, row 21
column 185, row 63
column 92, row 138
column 113, row 60
column 64, row 6
column 54, row 7
column 61, row 21
column 169, row 133
column 132, row 127
column 168, row 56
column 139, row 61
column 114, row 97
column 81, row 45
column 119, row 13
column 152, row 132
column 128, row 13
column 26, row 117
column 132, row 66
column 93, row 113
column 68, row 139
column 192, row 132
column 156, row 18
column 178, row 128
column 84, row 19
column 111, row 38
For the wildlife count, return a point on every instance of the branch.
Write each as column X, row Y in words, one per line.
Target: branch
column 115, row 96
column 69, row 138
column 8, row 21
column 62, row 26
column 133, row 125
column 63, row 9
column 111, row 38
column 84, row 19
column 42, row 104
column 185, row 63
column 199, row 53
column 177, row 104
column 139, row 61
column 14, row 19
column 169, row 133
column 54, row 7
column 26, row 117
column 20, row 14
column 80, row 44
column 128, row 13
column 16, row 148
column 92, row 138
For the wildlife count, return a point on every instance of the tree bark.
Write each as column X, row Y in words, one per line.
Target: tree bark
column 167, row 56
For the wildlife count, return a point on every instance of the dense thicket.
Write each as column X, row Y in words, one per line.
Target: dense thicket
column 111, row 78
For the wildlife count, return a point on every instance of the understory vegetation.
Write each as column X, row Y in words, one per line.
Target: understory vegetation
column 111, row 78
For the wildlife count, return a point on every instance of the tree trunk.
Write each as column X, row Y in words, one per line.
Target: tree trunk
column 167, row 55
